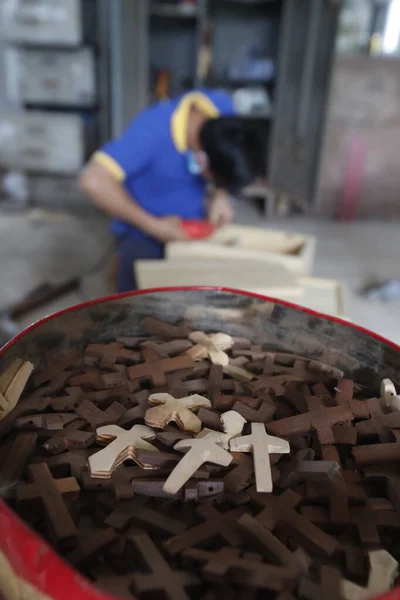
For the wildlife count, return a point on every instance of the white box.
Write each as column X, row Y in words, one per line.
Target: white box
column 295, row 252
column 252, row 276
column 52, row 77
column 42, row 141
column 57, row 22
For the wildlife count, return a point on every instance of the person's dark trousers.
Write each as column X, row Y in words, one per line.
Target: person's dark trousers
column 130, row 249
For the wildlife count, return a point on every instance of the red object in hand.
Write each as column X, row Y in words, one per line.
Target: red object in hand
column 198, row 230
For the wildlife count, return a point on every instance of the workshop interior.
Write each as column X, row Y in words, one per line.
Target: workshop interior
column 199, row 340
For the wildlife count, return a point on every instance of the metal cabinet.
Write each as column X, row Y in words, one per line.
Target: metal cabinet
column 304, row 73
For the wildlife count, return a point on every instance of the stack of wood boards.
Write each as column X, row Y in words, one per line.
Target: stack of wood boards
column 262, row 261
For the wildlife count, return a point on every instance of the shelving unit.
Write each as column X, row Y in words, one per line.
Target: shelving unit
column 58, row 83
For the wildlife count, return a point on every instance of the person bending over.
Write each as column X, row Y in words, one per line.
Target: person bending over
column 157, row 172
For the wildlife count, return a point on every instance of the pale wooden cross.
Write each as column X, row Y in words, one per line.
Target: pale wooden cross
column 210, row 346
column 203, row 448
column 169, row 409
column 261, row 444
column 232, row 426
column 389, row 394
column 123, row 446
column 12, row 384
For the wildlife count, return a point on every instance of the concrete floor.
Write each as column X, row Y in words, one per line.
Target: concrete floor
column 36, row 247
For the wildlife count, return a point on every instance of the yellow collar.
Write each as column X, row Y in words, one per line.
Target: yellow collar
column 179, row 120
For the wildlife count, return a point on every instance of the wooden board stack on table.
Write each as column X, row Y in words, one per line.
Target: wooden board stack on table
column 263, row 261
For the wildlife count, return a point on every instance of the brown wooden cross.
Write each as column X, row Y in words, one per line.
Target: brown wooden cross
column 137, row 413
column 55, row 367
column 329, row 587
column 275, row 383
column 74, row 397
column 20, row 452
column 319, row 420
column 167, row 349
column 377, row 454
column 111, row 353
column 35, row 403
column 172, row 584
column 91, row 379
column 91, row 545
column 50, row 494
column 281, row 509
column 380, row 424
column 242, row 475
column 227, row 564
column 156, row 368
column 302, row 467
column 71, row 463
column 120, row 482
column 376, row 513
column 70, row 437
column 97, row 417
column 163, row 329
column 154, row 520
column 223, row 402
column 216, row 524
column 46, row 422
column 264, row 414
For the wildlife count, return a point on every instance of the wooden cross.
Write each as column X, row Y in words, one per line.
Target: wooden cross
column 70, row 463
column 110, row 353
column 193, row 489
column 211, row 346
column 338, row 491
column 120, row 482
column 163, row 329
column 91, row 379
column 70, row 437
column 253, row 352
column 241, row 475
column 377, row 454
column 216, row 524
column 261, row 445
column 248, row 570
column 55, row 367
column 379, row 424
column 223, row 402
column 124, row 445
column 232, row 426
column 179, row 410
column 389, row 394
column 97, row 417
column 376, row 513
column 156, row 368
column 210, row 419
column 74, row 397
column 20, row 452
column 13, row 382
column 91, row 545
column 166, row 349
column 128, row 512
column 329, row 587
column 51, row 495
column 281, row 509
column 302, row 467
column 117, row 586
column 46, row 422
column 272, row 383
column 137, row 413
column 120, row 393
column 172, row 584
column 200, row 450
column 264, row 414
column 320, row 420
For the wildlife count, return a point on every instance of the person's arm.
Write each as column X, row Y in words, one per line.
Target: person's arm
column 111, row 197
column 220, row 211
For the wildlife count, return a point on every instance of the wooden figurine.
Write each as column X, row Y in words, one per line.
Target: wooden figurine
column 389, row 394
column 123, row 446
column 210, row 346
column 203, row 448
column 169, row 409
column 261, row 444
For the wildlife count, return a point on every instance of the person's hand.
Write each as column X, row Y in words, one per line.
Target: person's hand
column 220, row 211
column 168, row 229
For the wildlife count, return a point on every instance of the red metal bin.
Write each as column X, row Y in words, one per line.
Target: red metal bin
column 25, row 560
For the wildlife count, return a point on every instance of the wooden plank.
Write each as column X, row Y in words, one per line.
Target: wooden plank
column 252, row 276
column 295, row 252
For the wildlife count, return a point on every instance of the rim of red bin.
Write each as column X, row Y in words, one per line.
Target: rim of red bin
column 42, row 568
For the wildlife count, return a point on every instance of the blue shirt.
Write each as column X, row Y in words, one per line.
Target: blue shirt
column 150, row 158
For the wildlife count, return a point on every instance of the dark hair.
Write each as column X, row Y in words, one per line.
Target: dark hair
column 233, row 150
